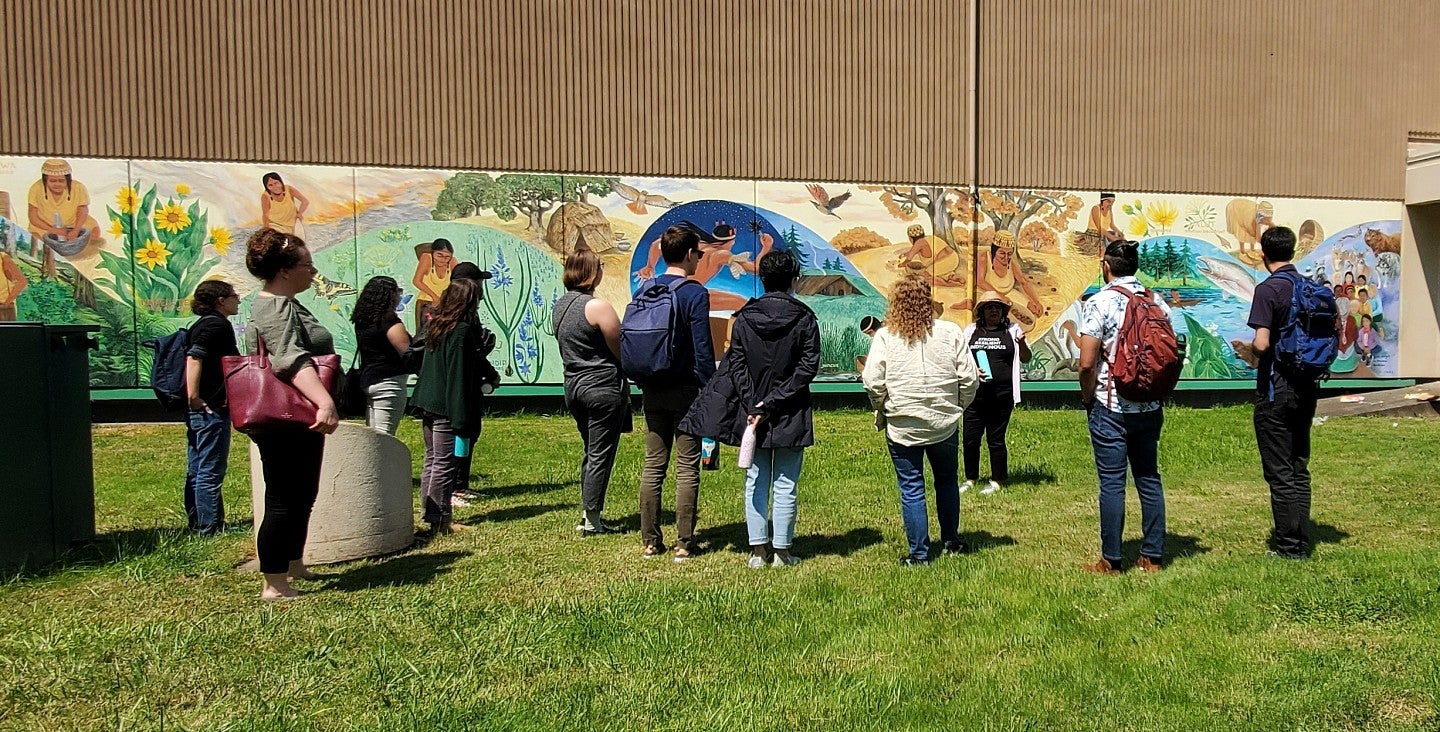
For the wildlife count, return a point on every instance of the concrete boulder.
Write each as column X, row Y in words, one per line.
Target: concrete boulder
column 366, row 502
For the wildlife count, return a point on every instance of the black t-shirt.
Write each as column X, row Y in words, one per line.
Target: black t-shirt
column 1270, row 309
column 378, row 358
column 999, row 348
column 212, row 337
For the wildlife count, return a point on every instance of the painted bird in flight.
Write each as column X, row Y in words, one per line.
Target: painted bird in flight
column 636, row 200
column 822, row 200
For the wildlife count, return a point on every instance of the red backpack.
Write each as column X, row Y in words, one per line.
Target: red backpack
column 1146, row 363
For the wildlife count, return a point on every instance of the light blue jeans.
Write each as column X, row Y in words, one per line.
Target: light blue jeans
column 775, row 472
column 387, row 403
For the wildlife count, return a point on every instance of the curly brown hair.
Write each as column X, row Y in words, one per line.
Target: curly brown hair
column 269, row 252
column 912, row 308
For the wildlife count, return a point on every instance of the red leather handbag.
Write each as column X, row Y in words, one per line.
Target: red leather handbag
column 260, row 400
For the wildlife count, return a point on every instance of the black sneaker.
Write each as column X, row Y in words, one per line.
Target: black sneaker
column 1286, row 555
column 910, row 560
column 957, row 547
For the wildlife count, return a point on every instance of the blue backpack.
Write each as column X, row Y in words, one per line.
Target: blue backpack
column 647, row 334
column 1307, row 343
column 167, row 369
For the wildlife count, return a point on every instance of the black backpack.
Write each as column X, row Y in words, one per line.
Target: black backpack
column 167, row 369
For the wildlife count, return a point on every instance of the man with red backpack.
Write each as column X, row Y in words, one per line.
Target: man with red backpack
column 1130, row 361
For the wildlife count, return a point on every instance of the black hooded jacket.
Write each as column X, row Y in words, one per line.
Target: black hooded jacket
column 774, row 355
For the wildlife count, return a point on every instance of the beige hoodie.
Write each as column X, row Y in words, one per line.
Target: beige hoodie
column 922, row 389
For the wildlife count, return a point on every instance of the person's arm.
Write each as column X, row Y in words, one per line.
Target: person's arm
column 1089, row 361
column 873, row 376
column 464, row 398
column 767, row 243
column 18, row 283
column 399, row 337
column 601, row 315
column 700, row 334
column 41, row 224
column 802, row 374
column 193, row 367
column 967, row 373
column 301, row 202
column 307, row 380
column 648, row 270
column 422, row 268
column 1022, row 345
column 82, row 212
column 264, row 210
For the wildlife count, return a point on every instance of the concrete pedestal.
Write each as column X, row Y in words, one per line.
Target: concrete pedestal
column 366, row 502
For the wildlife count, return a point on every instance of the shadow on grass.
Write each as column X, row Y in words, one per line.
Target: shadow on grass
column 117, row 547
column 631, row 524
column 516, row 513
column 1177, row 546
column 837, row 545
column 980, row 541
column 521, row 489
column 1031, row 475
column 1327, row 534
column 726, row 537
column 415, row 568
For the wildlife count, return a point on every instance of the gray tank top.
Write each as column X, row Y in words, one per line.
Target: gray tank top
column 588, row 360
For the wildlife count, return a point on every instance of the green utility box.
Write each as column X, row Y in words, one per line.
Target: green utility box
column 48, row 488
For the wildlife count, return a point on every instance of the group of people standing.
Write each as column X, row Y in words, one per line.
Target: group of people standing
column 933, row 385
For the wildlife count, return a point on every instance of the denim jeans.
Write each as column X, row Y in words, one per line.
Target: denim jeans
column 207, row 439
column 386, row 403
column 944, row 457
column 774, row 472
column 1133, row 439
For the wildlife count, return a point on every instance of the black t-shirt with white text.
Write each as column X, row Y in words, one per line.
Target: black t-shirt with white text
column 999, row 348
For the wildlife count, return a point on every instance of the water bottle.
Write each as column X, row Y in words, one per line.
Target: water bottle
column 747, row 447
column 982, row 362
column 462, row 447
column 709, row 454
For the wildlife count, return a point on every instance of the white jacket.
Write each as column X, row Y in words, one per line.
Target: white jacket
column 921, row 389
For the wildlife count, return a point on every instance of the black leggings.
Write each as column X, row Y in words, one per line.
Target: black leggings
column 290, row 460
column 988, row 416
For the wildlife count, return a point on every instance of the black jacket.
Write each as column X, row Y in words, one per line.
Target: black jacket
column 774, row 355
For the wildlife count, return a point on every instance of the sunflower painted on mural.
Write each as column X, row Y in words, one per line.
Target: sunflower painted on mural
column 152, row 254
column 172, row 218
column 167, row 239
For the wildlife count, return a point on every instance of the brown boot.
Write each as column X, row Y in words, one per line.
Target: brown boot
column 1101, row 567
column 1147, row 564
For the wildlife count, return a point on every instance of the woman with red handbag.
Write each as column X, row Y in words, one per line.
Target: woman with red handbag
column 290, row 455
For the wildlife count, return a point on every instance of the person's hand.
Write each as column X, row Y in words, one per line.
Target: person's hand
column 646, row 272
column 196, row 403
column 984, row 373
column 754, row 420
column 326, row 419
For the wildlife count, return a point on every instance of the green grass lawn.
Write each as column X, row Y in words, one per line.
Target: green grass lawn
column 518, row 624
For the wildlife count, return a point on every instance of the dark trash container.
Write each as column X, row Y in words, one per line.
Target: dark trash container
column 49, row 486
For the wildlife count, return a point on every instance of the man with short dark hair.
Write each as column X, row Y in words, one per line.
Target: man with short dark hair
column 667, row 401
column 1122, row 432
column 1284, row 405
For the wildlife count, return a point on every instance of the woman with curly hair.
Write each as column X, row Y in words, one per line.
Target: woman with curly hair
column 381, row 342
column 920, row 376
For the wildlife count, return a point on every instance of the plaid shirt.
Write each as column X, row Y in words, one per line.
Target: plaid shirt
column 1101, row 317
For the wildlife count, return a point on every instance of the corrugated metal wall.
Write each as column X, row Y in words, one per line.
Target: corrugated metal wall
column 1281, row 97
column 1309, row 98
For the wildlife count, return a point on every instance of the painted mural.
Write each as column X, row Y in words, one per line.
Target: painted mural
column 121, row 244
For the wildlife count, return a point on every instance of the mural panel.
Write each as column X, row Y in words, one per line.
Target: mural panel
column 122, row 245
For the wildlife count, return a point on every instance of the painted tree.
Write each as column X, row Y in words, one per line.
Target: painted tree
column 467, row 194
column 1187, row 263
column 1039, row 237
column 581, row 187
column 1010, row 209
column 944, row 207
column 1170, row 260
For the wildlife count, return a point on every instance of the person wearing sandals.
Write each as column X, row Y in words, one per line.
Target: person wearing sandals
column 382, row 341
column 289, row 458
column 988, row 416
column 764, row 381
column 448, row 398
column 596, row 394
column 920, row 376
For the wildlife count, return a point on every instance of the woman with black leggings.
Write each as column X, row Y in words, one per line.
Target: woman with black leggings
column 290, row 458
column 1003, row 346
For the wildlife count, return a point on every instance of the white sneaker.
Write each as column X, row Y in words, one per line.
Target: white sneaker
column 967, row 485
column 756, row 562
column 787, row 560
column 989, row 488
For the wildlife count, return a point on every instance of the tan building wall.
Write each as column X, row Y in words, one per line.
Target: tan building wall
column 1281, row 97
